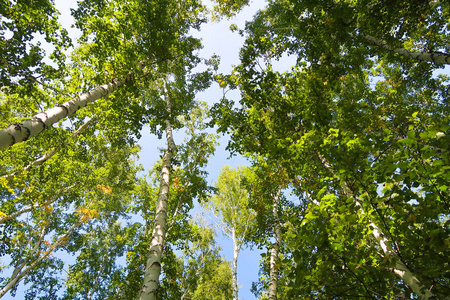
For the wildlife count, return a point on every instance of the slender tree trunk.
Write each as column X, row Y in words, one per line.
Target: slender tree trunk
column 153, row 266
column 436, row 57
column 234, row 266
column 95, row 283
column 273, row 273
column 401, row 270
column 237, row 245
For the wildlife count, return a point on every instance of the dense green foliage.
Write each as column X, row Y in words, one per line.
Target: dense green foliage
column 362, row 133
column 349, row 149
column 22, row 56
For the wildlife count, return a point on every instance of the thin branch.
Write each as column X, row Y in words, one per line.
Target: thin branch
column 34, row 206
column 95, row 283
column 14, row 281
column 47, row 156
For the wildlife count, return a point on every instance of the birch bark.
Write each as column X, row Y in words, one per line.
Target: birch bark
column 21, row 132
column 436, row 57
column 274, row 254
column 236, row 249
column 153, row 265
column 401, row 270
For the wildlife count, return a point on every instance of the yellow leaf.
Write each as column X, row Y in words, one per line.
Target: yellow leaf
column 87, row 214
column 48, row 244
column 105, row 188
column 176, row 181
column 48, row 209
column 223, row 84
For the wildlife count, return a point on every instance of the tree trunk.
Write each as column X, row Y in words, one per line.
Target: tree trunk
column 21, row 132
column 401, row 270
column 436, row 57
column 234, row 266
column 273, row 273
column 153, row 266
column 95, row 283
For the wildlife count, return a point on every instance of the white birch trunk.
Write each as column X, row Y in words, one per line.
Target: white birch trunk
column 21, row 132
column 273, row 273
column 153, row 265
column 234, row 266
column 401, row 270
column 95, row 283
column 436, row 57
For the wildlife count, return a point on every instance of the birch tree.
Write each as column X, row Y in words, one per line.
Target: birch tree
column 291, row 117
column 234, row 217
column 359, row 125
column 273, row 212
column 206, row 274
column 274, row 253
column 126, row 54
column 97, row 60
column 153, row 265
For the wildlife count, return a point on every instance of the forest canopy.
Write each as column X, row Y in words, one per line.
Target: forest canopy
column 346, row 190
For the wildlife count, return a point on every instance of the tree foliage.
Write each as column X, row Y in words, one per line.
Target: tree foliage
column 348, row 191
column 230, row 207
column 355, row 148
column 22, row 57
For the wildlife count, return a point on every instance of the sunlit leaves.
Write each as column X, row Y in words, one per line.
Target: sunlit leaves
column 86, row 214
column 22, row 56
column 343, row 134
column 105, row 188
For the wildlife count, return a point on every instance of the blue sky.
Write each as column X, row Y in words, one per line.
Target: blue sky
column 217, row 39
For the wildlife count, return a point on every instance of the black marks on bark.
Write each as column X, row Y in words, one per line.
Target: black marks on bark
column 65, row 109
